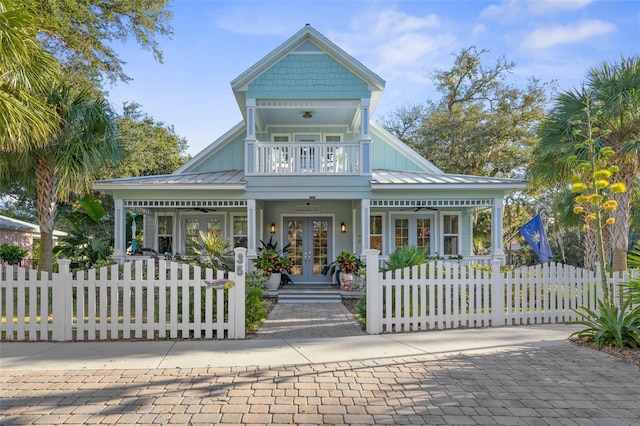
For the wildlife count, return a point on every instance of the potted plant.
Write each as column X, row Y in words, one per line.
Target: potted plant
column 273, row 262
column 344, row 268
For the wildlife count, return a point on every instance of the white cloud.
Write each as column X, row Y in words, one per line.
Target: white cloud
column 393, row 22
column 538, row 8
column 478, row 29
column 513, row 10
column 546, row 37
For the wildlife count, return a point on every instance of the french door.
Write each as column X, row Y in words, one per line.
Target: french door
column 309, row 240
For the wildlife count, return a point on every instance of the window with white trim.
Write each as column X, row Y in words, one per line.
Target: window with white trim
column 193, row 225
column 165, row 234
column 375, row 232
column 412, row 230
column 451, row 234
column 240, row 231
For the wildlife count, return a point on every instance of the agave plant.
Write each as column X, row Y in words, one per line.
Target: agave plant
column 213, row 252
column 632, row 287
column 610, row 325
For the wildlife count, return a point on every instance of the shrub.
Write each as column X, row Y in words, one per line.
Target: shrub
column 610, row 325
column 255, row 312
column 12, row 254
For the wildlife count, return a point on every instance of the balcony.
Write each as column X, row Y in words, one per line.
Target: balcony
column 318, row 158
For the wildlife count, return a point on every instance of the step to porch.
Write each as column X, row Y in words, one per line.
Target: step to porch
column 309, row 296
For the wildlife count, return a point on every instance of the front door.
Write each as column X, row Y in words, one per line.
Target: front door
column 309, row 239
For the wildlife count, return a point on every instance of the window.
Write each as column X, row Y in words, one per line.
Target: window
column 451, row 234
column 240, row 233
column 165, row 234
column 210, row 225
column 281, row 138
column 375, row 232
column 413, row 230
column 333, row 138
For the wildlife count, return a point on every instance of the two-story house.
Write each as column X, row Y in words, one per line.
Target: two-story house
column 308, row 166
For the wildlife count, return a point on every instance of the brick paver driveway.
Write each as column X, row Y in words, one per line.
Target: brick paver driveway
column 552, row 384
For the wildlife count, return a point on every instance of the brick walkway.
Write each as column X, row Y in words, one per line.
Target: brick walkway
column 302, row 320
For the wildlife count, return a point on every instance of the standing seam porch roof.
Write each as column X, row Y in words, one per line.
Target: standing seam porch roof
column 380, row 179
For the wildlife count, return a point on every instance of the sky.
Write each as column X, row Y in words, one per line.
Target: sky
column 403, row 41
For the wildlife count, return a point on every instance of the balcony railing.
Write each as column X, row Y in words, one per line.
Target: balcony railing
column 319, row 158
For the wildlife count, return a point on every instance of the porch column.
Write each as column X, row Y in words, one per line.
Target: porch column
column 252, row 228
column 365, row 138
column 364, row 115
column 365, row 212
column 497, row 245
column 251, row 120
column 119, row 236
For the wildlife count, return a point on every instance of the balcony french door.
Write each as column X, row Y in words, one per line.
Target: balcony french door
column 310, row 248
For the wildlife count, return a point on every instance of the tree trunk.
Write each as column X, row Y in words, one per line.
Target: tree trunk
column 46, row 209
column 590, row 250
column 620, row 229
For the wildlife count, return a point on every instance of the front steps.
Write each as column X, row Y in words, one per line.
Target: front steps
column 309, row 296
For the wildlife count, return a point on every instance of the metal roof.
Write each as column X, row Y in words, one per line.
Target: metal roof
column 389, row 178
column 226, row 178
column 380, row 179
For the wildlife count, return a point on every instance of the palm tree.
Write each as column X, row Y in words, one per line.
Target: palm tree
column 85, row 141
column 613, row 91
column 616, row 87
column 26, row 71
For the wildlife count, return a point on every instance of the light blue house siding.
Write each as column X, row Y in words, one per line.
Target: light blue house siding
column 229, row 156
column 385, row 157
column 308, row 76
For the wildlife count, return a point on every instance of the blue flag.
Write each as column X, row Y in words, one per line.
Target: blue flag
column 534, row 234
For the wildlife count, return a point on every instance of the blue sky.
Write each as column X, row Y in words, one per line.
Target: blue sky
column 403, row 41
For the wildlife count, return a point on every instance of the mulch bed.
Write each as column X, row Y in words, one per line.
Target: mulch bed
column 630, row 355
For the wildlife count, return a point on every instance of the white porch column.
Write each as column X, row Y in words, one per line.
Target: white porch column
column 366, row 212
column 252, row 228
column 251, row 120
column 497, row 245
column 364, row 114
column 120, row 234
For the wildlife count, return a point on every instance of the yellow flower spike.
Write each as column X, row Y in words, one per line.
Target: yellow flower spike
column 610, row 221
column 578, row 187
column 601, row 184
column 618, row 187
column 578, row 209
column 594, row 198
column 590, row 217
column 581, row 199
column 602, row 174
column 585, row 227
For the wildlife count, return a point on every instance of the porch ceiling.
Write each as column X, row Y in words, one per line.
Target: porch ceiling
column 323, row 113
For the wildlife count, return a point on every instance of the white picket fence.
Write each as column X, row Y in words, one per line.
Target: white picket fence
column 444, row 294
column 144, row 299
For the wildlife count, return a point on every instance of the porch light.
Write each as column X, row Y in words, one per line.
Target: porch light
column 307, row 114
column 273, row 228
column 343, row 227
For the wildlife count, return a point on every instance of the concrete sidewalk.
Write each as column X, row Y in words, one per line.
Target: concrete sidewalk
column 264, row 352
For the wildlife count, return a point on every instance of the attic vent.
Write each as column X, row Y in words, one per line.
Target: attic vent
column 307, row 47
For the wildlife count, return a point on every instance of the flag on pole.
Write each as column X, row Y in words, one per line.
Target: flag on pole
column 534, row 234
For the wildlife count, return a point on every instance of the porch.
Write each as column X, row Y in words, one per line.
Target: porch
column 295, row 158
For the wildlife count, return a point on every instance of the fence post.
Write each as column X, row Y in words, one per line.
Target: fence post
column 373, row 292
column 497, row 294
column 239, row 291
column 61, row 299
